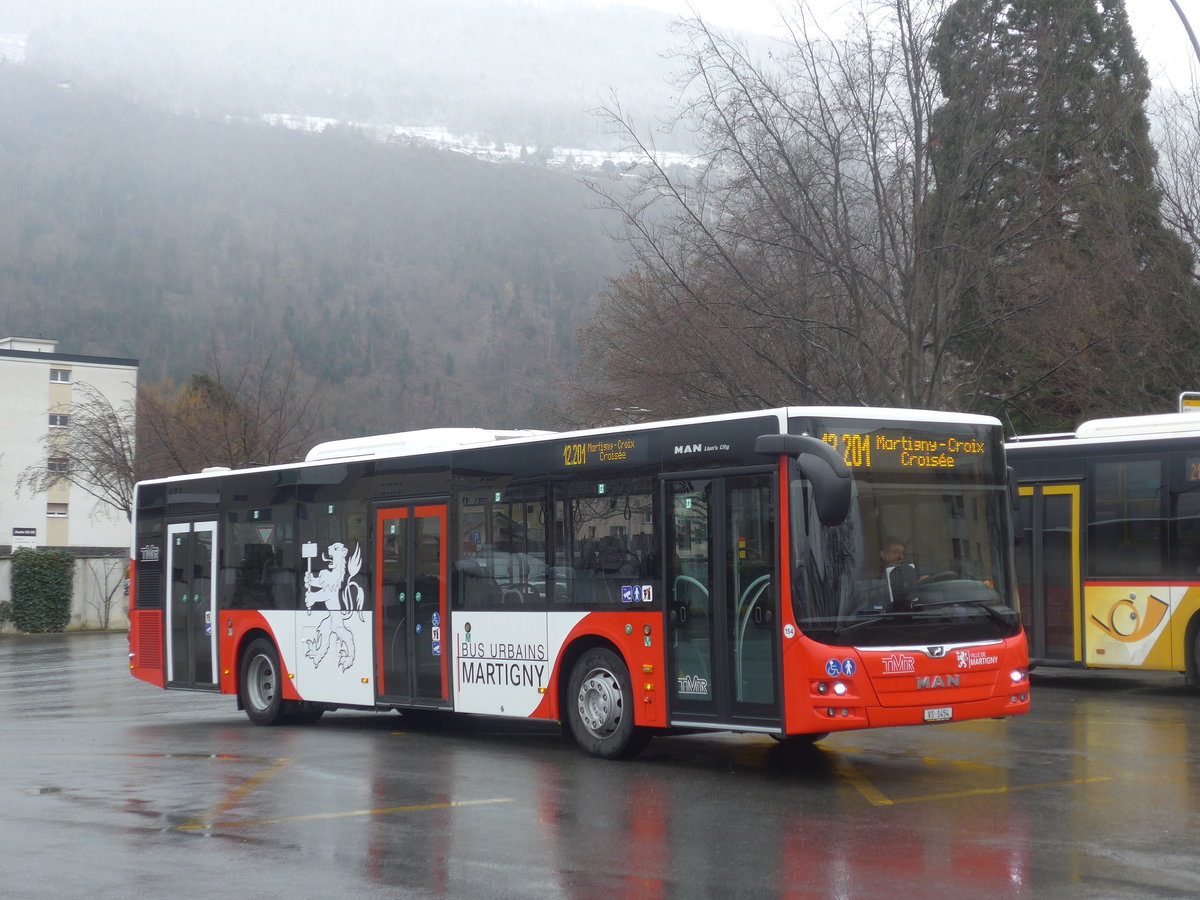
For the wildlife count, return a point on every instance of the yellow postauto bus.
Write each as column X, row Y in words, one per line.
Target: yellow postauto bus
column 1108, row 551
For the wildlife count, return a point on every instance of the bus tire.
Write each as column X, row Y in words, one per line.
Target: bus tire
column 600, row 707
column 259, row 683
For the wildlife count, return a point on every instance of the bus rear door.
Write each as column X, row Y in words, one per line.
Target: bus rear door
column 192, row 605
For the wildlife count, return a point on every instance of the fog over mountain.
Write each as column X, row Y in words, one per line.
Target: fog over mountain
column 151, row 205
column 500, row 70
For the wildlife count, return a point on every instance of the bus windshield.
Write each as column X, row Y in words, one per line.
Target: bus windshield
column 920, row 559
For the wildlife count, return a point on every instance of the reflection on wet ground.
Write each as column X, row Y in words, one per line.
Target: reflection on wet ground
column 1094, row 794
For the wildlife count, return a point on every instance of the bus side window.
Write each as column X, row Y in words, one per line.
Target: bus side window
column 1186, row 546
column 1126, row 535
column 606, row 543
column 473, row 588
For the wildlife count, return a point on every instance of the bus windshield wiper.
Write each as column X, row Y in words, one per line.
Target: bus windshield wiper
column 993, row 613
column 856, row 624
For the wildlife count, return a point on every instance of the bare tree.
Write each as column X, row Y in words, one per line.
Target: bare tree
column 95, row 454
column 952, row 208
column 788, row 270
column 108, row 578
column 1177, row 120
column 259, row 413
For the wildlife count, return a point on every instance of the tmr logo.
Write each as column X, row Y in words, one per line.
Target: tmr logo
column 899, row 664
column 926, row 682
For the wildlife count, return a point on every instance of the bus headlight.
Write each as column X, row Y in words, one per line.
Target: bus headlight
column 1017, row 675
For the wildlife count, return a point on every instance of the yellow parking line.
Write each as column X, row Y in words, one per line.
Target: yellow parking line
column 195, row 825
column 233, row 797
column 876, row 797
column 975, row 792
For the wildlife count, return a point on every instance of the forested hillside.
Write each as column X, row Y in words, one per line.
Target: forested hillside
column 497, row 70
column 421, row 287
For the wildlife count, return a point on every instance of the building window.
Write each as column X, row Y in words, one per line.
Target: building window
column 58, row 464
column 56, row 510
column 61, row 375
column 59, row 420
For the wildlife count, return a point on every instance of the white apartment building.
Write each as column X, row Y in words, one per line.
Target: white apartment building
column 37, row 384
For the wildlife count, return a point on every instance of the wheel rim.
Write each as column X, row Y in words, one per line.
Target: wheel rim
column 601, row 703
column 260, row 682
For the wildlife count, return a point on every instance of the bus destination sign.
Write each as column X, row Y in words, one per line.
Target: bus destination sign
column 606, row 450
column 900, row 449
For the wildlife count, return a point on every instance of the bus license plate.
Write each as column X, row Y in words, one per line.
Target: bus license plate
column 941, row 714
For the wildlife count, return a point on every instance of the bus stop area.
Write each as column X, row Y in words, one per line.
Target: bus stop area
column 110, row 787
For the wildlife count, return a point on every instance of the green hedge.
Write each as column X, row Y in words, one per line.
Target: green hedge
column 41, row 589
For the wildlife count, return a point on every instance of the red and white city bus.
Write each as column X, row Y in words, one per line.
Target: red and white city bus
column 717, row 573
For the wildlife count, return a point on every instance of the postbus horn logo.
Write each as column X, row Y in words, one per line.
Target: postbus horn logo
column 1127, row 625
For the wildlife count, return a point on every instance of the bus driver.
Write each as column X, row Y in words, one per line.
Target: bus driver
column 901, row 576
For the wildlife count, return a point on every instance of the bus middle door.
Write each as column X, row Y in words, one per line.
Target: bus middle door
column 722, row 605
column 411, row 579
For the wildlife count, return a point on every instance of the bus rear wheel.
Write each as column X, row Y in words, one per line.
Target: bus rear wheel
column 600, row 707
column 259, row 683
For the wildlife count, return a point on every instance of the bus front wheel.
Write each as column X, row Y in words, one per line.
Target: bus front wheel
column 259, row 683
column 600, row 707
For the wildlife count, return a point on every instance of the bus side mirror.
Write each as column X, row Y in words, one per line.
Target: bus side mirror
column 825, row 470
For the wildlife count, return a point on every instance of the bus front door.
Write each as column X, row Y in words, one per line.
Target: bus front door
column 410, row 584
column 1048, row 571
column 192, row 605
column 723, row 607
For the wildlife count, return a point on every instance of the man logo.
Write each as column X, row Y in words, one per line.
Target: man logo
column 935, row 652
column 926, row 682
column 688, row 448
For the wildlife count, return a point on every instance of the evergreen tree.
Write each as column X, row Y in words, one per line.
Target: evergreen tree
column 1076, row 299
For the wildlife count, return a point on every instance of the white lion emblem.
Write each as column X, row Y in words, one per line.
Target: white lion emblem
column 334, row 588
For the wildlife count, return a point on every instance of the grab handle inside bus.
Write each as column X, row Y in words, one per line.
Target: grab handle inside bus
column 825, row 470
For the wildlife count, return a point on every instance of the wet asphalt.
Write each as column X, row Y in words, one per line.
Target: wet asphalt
column 112, row 788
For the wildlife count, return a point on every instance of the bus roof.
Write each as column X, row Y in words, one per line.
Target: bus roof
column 1164, row 425
column 428, row 440
column 405, row 442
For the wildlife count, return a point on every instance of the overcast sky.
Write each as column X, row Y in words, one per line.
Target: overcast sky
column 1156, row 25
